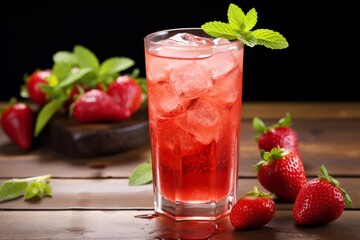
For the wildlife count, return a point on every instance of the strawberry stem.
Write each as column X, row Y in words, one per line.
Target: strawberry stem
column 275, row 153
column 325, row 176
column 256, row 193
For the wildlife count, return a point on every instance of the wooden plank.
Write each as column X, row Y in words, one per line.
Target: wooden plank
column 126, row 225
column 301, row 110
column 335, row 143
column 310, row 110
column 116, row 194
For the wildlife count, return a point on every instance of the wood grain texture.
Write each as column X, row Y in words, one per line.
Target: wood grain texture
column 108, row 194
column 335, row 143
column 92, row 199
column 125, row 225
column 301, row 110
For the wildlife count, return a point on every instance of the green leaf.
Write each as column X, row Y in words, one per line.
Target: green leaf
column 62, row 70
column 46, row 113
column 72, row 78
column 86, row 58
column 236, row 17
column 250, row 19
column 64, row 57
column 115, row 65
column 239, row 26
column 219, row 30
column 39, row 189
column 270, row 39
column 141, row 175
column 286, row 121
column 24, row 92
column 258, row 125
column 29, row 187
column 10, row 189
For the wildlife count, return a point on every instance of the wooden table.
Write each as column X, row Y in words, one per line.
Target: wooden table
column 92, row 199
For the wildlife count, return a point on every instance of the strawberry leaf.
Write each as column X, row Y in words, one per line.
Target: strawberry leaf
column 324, row 175
column 259, row 125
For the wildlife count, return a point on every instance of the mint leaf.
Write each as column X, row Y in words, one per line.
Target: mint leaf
column 236, row 17
column 29, row 187
column 10, row 190
column 72, row 78
column 115, row 65
column 219, row 30
column 270, row 39
column 64, row 56
column 62, row 70
column 86, row 58
column 46, row 113
column 141, row 175
column 250, row 19
column 239, row 27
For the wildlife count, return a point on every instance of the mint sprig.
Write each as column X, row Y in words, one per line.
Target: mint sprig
column 27, row 187
column 240, row 27
column 70, row 68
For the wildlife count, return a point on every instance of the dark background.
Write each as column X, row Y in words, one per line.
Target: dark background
column 319, row 65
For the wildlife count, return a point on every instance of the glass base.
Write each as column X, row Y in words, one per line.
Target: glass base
column 195, row 211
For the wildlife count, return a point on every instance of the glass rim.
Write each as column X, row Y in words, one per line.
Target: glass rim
column 165, row 32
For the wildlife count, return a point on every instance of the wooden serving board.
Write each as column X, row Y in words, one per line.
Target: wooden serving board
column 66, row 136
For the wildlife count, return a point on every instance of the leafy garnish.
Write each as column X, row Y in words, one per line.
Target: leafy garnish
column 27, row 187
column 46, row 114
column 141, row 175
column 71, row 68
column 240, row 27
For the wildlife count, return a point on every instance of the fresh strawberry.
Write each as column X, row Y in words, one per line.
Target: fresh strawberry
column 17, row 121
column 279, row 134
column 281, row 172
column 96, row 106
column 73, row 94
column 320, row 201
column 127, row 93
column 37, row 78
column 254, row 210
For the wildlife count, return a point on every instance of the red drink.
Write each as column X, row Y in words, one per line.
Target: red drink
column 194, row 91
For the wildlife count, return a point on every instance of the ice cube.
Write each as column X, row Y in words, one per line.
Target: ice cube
column 187, row 39
column 156, row 68
column 205, row 120
column 220, row 63
column 227, row 87
column 190, row 80
column 219, row 41
column 184, row 46
column 164, row 102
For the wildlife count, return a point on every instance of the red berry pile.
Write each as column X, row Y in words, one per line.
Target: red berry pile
column 79, row 84
column 281, row 172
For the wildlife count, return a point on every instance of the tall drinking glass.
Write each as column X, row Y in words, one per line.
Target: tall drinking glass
column 194, row 85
